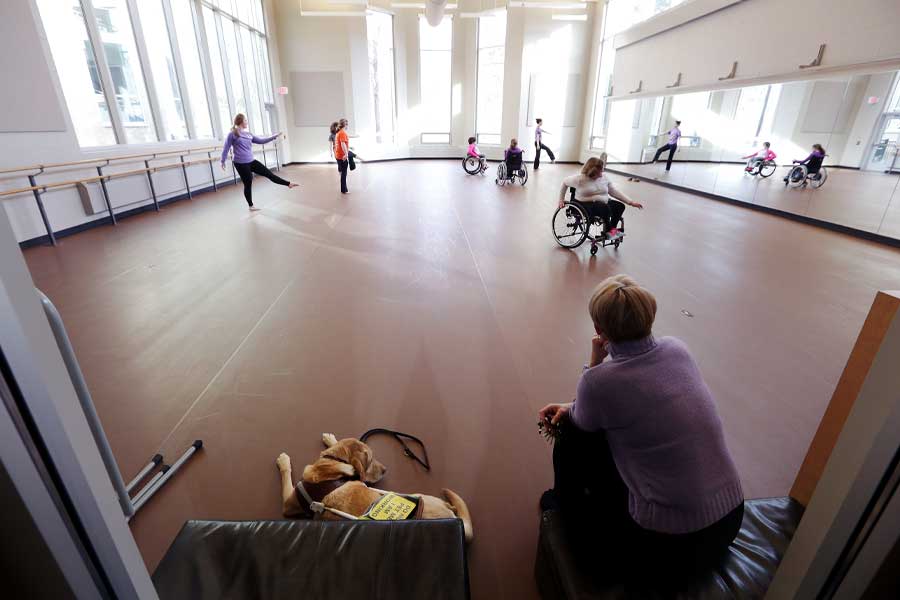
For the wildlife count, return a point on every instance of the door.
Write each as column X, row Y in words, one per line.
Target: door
column 883, row 154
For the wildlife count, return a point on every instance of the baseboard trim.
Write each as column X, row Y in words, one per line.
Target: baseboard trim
column 721, row 162
column 45, row 239
column 382, row 160
column 858, row 233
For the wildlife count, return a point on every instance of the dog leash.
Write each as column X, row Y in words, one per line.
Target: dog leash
column 400, row 437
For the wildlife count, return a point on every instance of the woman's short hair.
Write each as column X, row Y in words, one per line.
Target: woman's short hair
column 621, row 309
column 593, row 168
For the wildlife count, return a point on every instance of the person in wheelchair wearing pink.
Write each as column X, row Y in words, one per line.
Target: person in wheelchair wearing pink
column 762, row 155
column 593, row 190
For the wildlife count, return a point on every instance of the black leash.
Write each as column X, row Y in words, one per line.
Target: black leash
column 400, row 437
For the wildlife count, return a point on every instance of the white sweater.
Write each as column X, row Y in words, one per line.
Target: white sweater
column 587, row 189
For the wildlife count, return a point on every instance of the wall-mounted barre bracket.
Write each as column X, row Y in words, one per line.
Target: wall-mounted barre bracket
column 731, row 73
column 640, row 87
column 677, row 82
column 817, row 61
column 609, row 89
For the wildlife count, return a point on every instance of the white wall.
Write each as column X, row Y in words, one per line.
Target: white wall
column 64, row 206
column 763, row 39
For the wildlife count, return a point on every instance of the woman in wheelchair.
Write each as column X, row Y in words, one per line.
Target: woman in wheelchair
column 513, row 166
column 592, row 191
column 812, row 164
column 758, row 158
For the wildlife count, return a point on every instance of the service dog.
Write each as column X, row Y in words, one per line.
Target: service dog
column 337, row 486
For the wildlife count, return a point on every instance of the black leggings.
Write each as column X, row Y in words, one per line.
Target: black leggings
column 246, row 170
column 609, row 213
column 594, row 502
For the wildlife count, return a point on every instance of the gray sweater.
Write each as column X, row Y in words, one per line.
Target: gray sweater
column 664, row 434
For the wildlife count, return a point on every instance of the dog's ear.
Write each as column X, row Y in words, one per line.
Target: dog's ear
column 327, row 469
column 359, row 456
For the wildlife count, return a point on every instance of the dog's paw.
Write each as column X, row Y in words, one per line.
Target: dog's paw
column 329, row 439
column 284, row 462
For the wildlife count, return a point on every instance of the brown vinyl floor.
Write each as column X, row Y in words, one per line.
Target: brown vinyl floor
column 438, row 304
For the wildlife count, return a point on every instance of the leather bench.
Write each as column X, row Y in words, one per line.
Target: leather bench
column 315, row 560
column 744, row 573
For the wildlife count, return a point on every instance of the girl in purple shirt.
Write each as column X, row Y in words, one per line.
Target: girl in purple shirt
column 240, row 142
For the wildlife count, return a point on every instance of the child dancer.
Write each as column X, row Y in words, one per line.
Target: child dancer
column 764, row 154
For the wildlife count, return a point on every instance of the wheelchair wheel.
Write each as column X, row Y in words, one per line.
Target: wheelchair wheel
column 817, row 182
column 472, row 165
column 523, row 174
column 797, row 176
column 755, row 169
column 501, row 174
column 767, row 169
column 570, row 225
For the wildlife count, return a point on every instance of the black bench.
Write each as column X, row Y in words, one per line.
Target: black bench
column 318, row 560
column 745, row 572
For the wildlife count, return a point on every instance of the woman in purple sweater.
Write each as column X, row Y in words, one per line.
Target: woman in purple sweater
column 241, row 141
column 641, row 461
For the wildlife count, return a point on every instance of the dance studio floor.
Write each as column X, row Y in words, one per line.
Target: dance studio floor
column 437, row 304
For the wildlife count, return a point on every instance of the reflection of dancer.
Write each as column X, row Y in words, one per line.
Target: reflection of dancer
column 757, row 158
column 674, row 134
column 813, row 162
column 240, row 141
column 539, row 144
column 333, row 132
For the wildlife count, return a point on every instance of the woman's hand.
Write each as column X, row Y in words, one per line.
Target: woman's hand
column 223, row 166
column 598, row 350
column 638, row 205
column 562, row 203
column 554, row 413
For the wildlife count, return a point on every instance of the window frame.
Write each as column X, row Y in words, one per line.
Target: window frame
column 394, row 113
column 203, row 38
column 478, row 49
column 449, row 132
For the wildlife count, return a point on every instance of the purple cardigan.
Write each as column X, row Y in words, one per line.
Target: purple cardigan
column 664, row 434
column 243, row 146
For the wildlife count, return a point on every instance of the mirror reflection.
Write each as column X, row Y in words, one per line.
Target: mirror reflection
column 824, row 148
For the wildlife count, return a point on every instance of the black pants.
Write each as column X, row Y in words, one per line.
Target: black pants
column 538, row 146
column 609, row 213
column 246, row 170
column 671, row 148
column 594, row 503
column 343, row 165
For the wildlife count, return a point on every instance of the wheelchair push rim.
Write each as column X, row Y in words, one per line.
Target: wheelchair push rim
column 570, row 225
column 767, row 169
column 471, row 165
column 817, row 182
column 796, row 176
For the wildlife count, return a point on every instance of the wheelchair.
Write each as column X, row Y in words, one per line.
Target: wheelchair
column 799, row 177
column 572, row 225
column 512, row 170
column 474, row 165
column 763, row 168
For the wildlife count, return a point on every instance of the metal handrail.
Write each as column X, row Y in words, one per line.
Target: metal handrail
column 106, row 160
column 37, row 189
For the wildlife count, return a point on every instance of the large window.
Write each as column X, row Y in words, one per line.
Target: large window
column 489, row 87
column 175, row 69
column 435, row 47
column 380, row 32
column 76, row 66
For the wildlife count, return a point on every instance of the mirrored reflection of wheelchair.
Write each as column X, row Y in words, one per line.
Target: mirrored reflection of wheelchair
column 573, row 223
column 512, row 170
column 763, row 168
column 474, row 165
column 799, row 177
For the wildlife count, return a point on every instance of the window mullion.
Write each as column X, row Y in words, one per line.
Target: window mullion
column 206, row 64
column 260, row 74
column 226, row 68
column 144, row 60
column 239, row 46
column 179, row 70
column 109, row 91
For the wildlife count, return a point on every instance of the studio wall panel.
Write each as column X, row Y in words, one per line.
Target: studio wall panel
column 317, row 97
